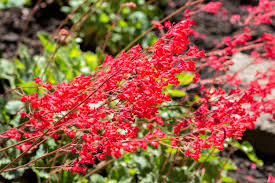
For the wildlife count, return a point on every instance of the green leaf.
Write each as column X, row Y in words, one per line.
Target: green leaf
column 7, row 71
column 103, row 18
column 39, row 152
column 13, row 174
column 132, row 171
column 153, row 40
column 19, row 64
column 247, row 148
column 230, row 165
column 205, row 158
column 28, row 90
column 177, row 93
column 4, row 161
column 91, row 59
column 43, row 173
column 122, row 23
column 185, row 78
column 226, row 179
column 141, row 161
column 6, row 68
column 49, row 46
column 125, row 179
column 67, row 177
column 75, row 52
column 13, row 106
column 171, row 150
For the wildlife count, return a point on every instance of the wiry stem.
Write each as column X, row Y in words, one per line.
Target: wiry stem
column 60, row 119
column 189, row 3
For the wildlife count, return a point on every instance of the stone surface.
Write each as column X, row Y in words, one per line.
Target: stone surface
column 263, row 136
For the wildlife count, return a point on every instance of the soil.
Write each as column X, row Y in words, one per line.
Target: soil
column 215, row 27
column 247, row 172
column 12, row 23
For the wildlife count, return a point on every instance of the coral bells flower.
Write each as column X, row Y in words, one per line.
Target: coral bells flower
column 235, row 19
column 101, row 115
column 24, row 98
column 37, row 80
column 212, row 7
column 23, row 114
column 136, row 80
column 131, row 5
column 64, row 32
column 157, row 24
column 270, row 179
column 268, row 37
column 77, row 169
column 12, row 133
column 71, row 133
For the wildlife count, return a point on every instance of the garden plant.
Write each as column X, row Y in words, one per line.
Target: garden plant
column 136, row 109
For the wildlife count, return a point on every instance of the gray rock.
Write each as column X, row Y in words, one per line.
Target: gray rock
column 11, row 37
column 263, row 136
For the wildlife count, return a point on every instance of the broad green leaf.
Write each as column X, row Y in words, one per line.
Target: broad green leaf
column 247, row 148
column 171, row 150
column 205, row 158
column 19, row 64
column 103, row 18
column 49, row 46
column 230, row 165
column 91, row 59
column 13, row 106
column 226, row 179
column 185, row 78
column 13, row 174
column 43, row 174
column 177, row 93
column 6, row 68
column 132, row 171
column 75, row 52
column 122, row 23
column 28, row 90
column 96, row 178
column 4, row 161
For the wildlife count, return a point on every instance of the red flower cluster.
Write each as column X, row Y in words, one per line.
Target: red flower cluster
column 103, row 113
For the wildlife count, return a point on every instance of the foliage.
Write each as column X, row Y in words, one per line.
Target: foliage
column 130, row 23
column 13, row 3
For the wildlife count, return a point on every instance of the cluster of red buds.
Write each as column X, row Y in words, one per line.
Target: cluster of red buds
column 103, row 113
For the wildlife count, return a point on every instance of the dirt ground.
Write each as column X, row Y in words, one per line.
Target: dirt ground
column 13, row 22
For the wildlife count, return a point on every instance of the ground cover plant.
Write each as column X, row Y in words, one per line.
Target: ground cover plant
column 145, row 108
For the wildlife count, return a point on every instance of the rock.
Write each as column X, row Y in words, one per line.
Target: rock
column 10, row 37
column 263, row 136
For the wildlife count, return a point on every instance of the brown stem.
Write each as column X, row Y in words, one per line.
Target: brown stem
column 56, row 155
column 67, row 18
column 60, row 173
column 227, row 159
column 99, row 167
column 45, row 155
column 198, row 169
column 22, row 154
column 170, row 168
column 74, row 27
column 110, row 31
column 164, row 165
column 85, row 16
